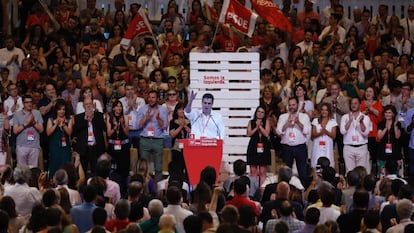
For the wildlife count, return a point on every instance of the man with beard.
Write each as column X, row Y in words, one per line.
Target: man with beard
column 28, row 125
column 11, row 57
column 294, row 128
column 355, row 127
column 153, row 120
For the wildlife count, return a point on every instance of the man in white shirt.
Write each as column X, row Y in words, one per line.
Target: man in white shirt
column 205, row 123
column 11, row 105
column 355, row 127
column 337, row 32
column 148, row 61
column 131, row 104
column 408, row 23
column 402, row 45
column 327, row 11
column 306, row 44
column 25, row 197
column 174, row 207
column 294, row 128
column 11, row 57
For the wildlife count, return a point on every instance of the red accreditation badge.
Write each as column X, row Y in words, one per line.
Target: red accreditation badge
column 150, row 131
column 130, row 121
column 388, row 148
column 63, row 141
column 292, row 136
column 30, row 135
column 322, row 145
column 355, row 138
column 260, row 147
column 90, row 136
column 117, row 145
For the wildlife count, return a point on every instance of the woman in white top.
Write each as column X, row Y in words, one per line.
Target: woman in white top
column 283, row 86
column 304, row 104
column 87, row 92
column 323, row 134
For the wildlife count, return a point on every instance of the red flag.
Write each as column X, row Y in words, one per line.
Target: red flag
column 272, row 14
column 138, row 26
column 239, row 16
column 212, row 14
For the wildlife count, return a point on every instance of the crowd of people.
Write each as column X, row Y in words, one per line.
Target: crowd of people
column 336, row 99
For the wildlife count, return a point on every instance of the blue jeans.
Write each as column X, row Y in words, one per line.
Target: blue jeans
column 300, row 154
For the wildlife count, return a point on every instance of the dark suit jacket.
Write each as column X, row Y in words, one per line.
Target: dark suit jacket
column 80, row 131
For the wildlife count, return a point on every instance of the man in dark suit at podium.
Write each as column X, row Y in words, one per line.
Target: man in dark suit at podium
column 89, row 131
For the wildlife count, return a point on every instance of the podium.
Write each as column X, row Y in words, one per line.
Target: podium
column 200, row 153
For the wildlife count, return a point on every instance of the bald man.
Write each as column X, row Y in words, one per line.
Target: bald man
column 282, row 194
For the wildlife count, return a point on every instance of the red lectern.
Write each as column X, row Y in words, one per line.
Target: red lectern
column 199, row 153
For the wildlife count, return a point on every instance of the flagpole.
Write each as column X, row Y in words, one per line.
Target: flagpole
column 145, row 14
column 214, row 35
column 220, row 19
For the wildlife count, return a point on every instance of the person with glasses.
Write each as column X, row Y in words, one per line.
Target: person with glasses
column 27, row 125
column 206, row 123
column 11, row 105
column 171, row 102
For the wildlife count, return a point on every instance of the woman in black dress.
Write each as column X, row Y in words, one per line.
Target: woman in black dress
column 258, row 150
column 388, row 135
column 180, row 128
column 117, row 130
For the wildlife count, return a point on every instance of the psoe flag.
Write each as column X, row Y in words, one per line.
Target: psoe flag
column 139, row 25
column 272, row 14
column 240, row 17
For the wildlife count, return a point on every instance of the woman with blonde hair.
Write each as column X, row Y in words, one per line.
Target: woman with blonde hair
column 323, row 134
column 143, row 168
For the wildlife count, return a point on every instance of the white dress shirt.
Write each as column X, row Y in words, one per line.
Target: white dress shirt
column 354, row 135
column 294, row 136
column 14, row 68
column 25, row 198
column 326, row 31
column 208, row 126
column 132, row 115
column 179, row 213
column 74, row 195
column 8, row 104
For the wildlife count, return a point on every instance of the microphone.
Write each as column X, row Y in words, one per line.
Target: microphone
column 218, row 130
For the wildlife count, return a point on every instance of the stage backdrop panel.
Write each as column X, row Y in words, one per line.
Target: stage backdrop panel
column 234, row 80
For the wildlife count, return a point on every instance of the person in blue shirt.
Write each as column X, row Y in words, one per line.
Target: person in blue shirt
column 153, row 121
column 81, row 215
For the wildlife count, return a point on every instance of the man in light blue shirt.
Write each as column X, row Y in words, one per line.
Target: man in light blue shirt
column 81, row 215
column 153, row 121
